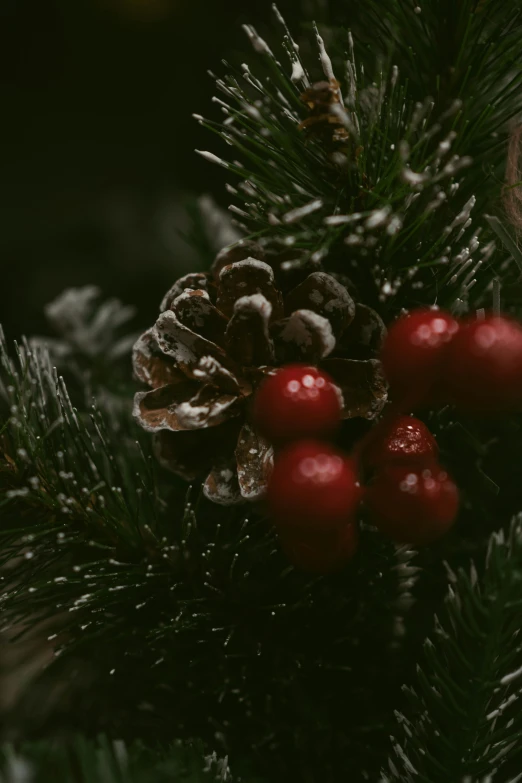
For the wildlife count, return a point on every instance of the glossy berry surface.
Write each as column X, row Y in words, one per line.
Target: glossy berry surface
column 298, row 401
column 321, row 553
column 484, row 366
column 314, row 488
column 411, row 504
column 413, row 354
column 403, row 439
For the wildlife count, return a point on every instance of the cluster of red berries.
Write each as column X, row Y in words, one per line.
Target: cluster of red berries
column 430, row 359
column 316, row 490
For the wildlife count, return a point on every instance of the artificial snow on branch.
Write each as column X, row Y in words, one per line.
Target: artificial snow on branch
column 361, row 174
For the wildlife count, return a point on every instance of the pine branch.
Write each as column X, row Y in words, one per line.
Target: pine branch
column 447, row 50
column 89, row 342
column 393, row 206
column 132, row 594
column 464, row 717
column 454, row 50
column 68, row 464
column 87, row 327
column 103, row 761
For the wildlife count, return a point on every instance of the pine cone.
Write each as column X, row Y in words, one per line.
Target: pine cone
column 218, row 335
column 322, row 100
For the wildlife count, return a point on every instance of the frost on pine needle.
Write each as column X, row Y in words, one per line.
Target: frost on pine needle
column 260, row 46
column 299, row 74
column 301, row 212
column 324, row 57
column 212, row 158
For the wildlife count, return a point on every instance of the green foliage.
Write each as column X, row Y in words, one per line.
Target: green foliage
column 449, row 50
column 195, row 606
column 167, row 617
column 463, row 715
column 398, row 206
column 103, row 761
column 69, row 465
column 90, row 341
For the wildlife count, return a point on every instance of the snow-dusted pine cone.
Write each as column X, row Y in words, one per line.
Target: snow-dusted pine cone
column 218, row 335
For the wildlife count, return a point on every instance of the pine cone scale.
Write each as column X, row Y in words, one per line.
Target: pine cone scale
column 194, row 281
column 254, row 457
column 157, row 409
column 367, row 332
column 186, row 347
column 305, row 336
column 221, row 485
column 150, row 364
column 194, row 310
column 362, row 385
column 207, row 408
column 247, row 337
column 246, row 278
column 325, row 296
column 189, row 454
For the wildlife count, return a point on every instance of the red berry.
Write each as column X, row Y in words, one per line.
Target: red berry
column 484, row 366
column 298, row 401
column 401, row 439
column 321, row 553
column 412, row 504
column 314, row 488
column 414, row 351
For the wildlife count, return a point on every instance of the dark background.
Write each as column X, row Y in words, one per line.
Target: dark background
column 98, row 142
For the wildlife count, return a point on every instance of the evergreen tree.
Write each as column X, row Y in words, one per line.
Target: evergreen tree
column 377, row 148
